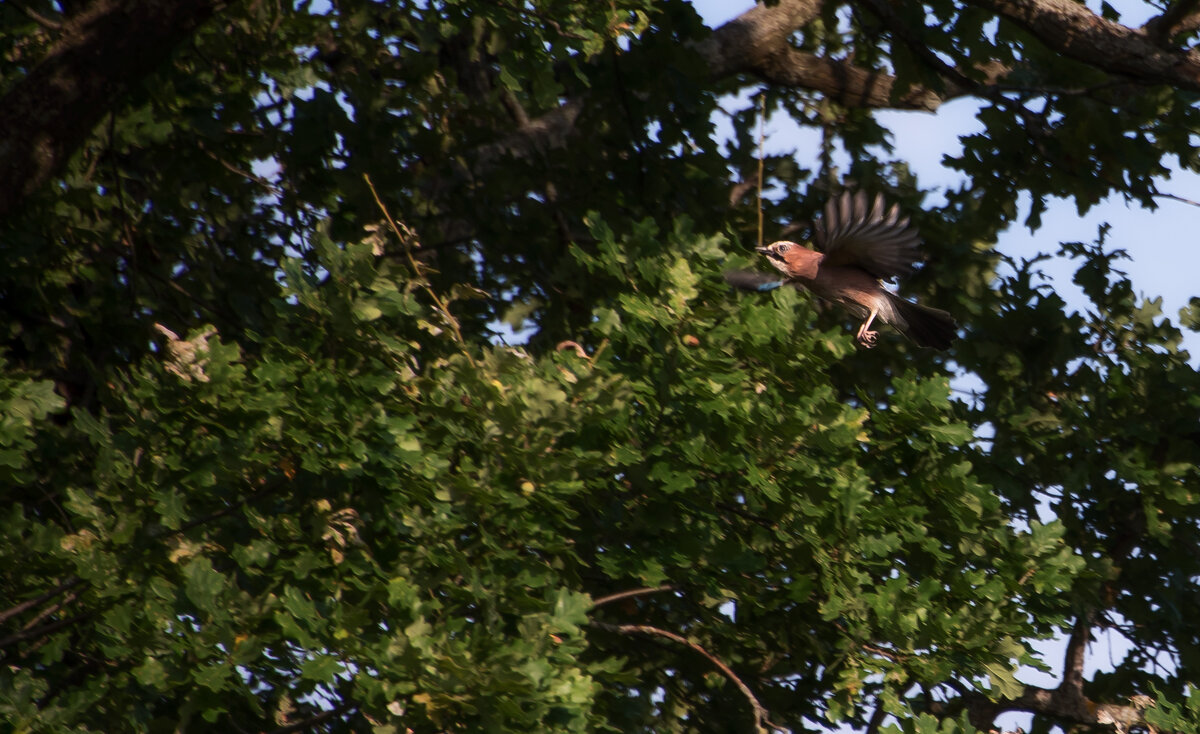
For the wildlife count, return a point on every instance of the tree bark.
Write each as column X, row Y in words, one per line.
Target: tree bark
column 1067, row 704
column 104, row 50
column 1071, row 29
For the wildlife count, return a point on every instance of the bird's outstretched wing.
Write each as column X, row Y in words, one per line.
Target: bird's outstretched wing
column 856, row 231
column 751, row 280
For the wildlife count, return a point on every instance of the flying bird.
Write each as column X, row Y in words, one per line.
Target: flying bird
column 861, row 244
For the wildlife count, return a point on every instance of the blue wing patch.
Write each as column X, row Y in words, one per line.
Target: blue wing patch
column 751, row 280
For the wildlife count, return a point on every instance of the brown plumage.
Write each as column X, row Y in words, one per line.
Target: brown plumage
column 861, row 243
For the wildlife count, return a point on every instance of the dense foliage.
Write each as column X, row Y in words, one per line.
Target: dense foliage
column 368, row 367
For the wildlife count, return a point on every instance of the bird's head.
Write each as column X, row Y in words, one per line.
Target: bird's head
column 791, row 259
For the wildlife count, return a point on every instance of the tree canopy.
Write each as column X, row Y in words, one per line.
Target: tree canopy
column 367, row 366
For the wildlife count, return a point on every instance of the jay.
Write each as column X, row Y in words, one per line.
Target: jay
column 861, row 243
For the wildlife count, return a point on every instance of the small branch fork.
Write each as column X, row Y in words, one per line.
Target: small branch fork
column 762, row 721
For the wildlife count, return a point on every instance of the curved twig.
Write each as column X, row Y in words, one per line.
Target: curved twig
column 631, row 592
column 761, row 720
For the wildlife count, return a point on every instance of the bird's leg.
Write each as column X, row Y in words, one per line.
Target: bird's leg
column 867, row 338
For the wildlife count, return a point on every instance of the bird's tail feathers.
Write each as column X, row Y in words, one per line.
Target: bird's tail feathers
column 928, row 327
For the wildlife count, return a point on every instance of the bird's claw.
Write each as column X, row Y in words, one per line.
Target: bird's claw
column 868, row 338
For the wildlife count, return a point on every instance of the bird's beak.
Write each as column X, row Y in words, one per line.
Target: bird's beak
column 763, row 250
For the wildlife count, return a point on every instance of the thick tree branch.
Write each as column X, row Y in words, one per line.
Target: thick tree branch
column 759, row 42
column 102, row 52
column 844, row 82
column 749, row 41
column 1067, row 703
column 1180, row 17
column 1071, row 29
column 1056, row 704
column 756, row 42
column 1076, row 651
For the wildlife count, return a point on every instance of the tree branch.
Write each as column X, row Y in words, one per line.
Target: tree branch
column 43, row 630
column 544, row 133
column 761, row 718
column 759, row 42
column 311, row 721
column 746, row 42
column 1180, row 17
column 103, row 52
column 846, row 83
column 953, row 78
column 41, row 20
column 1071, row 29
column 756, row 42
column 1052, row 703
column 1067, row 703
column 26, row 605
column 630, row 593
column 1074, row 657
column 1176, row 197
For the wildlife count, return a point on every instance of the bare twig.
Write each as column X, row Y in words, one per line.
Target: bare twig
column 1176, row 197
column 761, row 719
column 26, row 605
column 43, row 630
column 542, row 18
column 406, row 241
column 40, row 19
column 630, row 593
column 573, row 346
column 885, row 653
column 745, row 514
column 276, row 190
column 762, row 123
column 217, row 514
column 51, row 610
column 954, row 78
